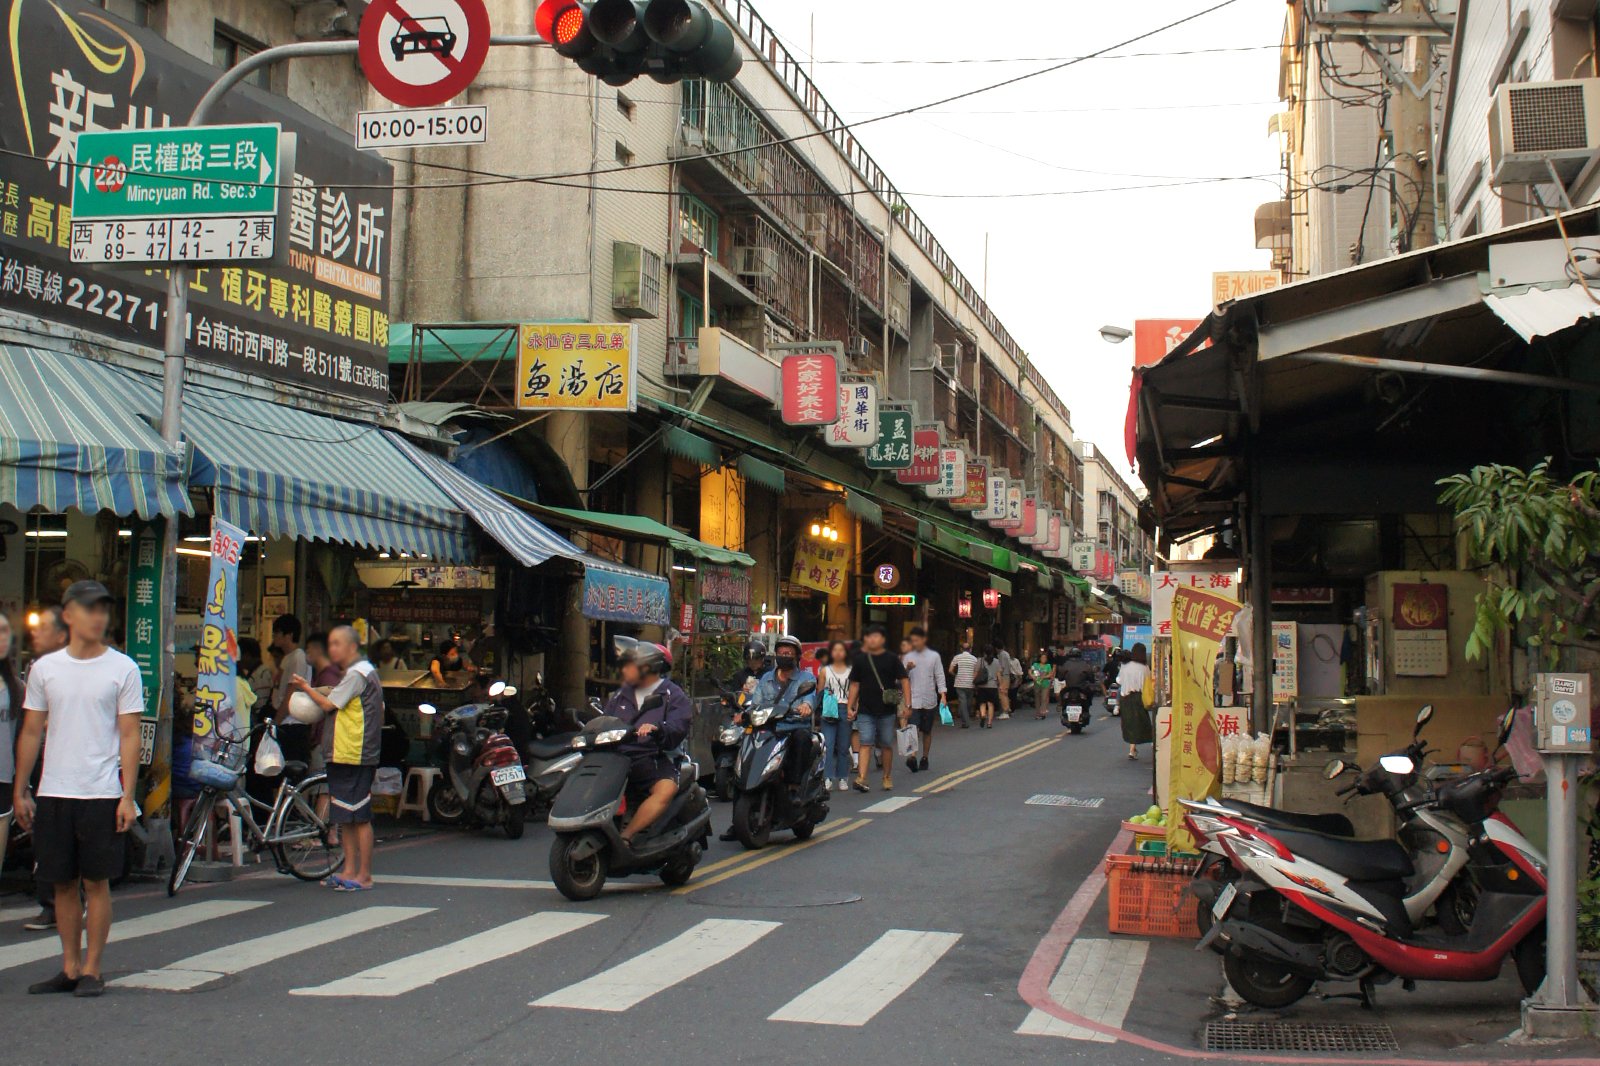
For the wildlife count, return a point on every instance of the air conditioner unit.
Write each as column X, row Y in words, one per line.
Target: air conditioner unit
column 857, row 348
column 1539, row 125
column 635, row 280
column 754, row 261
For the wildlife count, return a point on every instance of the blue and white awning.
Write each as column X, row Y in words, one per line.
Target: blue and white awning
column 70, row 440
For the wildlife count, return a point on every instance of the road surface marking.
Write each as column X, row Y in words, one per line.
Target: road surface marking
column 627, row 985
column 827, row 829
column 764, row 857
column 984, row 765
column 484, row 882
column 890, row 805
column 857, row 991
column 146, row 925
column 17, row 914
column 1015, row 756
column 427, row 967
column 210, row 966
column 1051, row 799
column 1097, row 981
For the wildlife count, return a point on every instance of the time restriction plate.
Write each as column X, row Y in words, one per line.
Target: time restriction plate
column 422, row 126
column 176, row 194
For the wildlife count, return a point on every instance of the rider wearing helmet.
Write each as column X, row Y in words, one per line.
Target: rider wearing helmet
column 657, row 730
column 755, row 664
column 1075, row 671
column 788, row 675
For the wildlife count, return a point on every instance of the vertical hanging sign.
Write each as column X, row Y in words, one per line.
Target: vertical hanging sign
column 1052, row 544
column 810, row 389
column 216, row 659
column 144, row 626
column 857, row 426
column 994, row 510
column 1201, row 621
column 924, row 468
column 976, row 498
column 952, row 482
column 1013, row 517
column 892, row 449
column 1028, row 517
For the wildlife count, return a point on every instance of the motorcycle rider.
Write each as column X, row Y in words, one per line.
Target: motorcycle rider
column 1079, row 673
column 755, row 665
column 644, row 669
column 786, row 673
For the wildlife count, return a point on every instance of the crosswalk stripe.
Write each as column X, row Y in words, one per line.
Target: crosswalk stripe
column 427, row 967
column 1097, row 981
column 631, row 983
column 890, row 805
column 857, row 991
column 17, row 914
column 134, row 928
column 492, row 882
column 210, row 966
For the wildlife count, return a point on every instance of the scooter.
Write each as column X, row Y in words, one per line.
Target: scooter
column 588, row 816
column 1114, row 699
column 484, row 783
column 1317, row 908
column 779, row 769
column 725, row 748
column 1075, row 705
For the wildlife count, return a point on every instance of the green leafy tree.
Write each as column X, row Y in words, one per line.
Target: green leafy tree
column 1542, row 536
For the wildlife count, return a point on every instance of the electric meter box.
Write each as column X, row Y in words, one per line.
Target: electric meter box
column 1561, row 714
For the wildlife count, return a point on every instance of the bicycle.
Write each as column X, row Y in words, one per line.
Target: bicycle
column 297, row 832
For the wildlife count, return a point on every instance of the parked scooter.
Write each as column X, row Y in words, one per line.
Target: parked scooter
column 484, row 782
column 1075, row 705
column 588, row 816
column 1113, row 699
column 1315, row 908
column 779, row 769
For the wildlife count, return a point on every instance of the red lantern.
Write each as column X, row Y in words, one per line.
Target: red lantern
column 964, row 607
column 991, row 598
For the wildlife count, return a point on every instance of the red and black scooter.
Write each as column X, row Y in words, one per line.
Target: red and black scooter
column 1313, row 908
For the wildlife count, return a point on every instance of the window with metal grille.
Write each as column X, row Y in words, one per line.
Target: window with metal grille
column 697, row 222
column 1548, row 118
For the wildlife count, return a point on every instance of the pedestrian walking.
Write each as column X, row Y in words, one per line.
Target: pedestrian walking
column 836, row 716
column 987, row 687
column 1009, row 674
column 90, row 697
column 880, row 693
column 1138, row 726
column 48, row 634
column 964, row 679
column 351, row 743
column 928, row 693
column 1042, row 673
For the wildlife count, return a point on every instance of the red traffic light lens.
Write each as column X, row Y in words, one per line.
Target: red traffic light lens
column 548, row 14
column 569, row 23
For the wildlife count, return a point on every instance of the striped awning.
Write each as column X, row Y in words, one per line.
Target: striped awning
column 528, row 540
column 70, row 439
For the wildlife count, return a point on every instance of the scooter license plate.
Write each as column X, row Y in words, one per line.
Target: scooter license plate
column 506, row 775
column 1219, row 909
column 1074, row 714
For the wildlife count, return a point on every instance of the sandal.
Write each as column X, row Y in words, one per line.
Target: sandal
column 336, row 882
column 860, row 786
column 351, row 886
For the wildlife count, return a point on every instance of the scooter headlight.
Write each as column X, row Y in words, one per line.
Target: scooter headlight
column 580, row 742
column 729, row 736
column 761, row 717
column 611, row 736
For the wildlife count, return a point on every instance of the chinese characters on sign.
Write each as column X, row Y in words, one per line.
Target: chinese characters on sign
column 1029, row 517
column 924, row 469
column 976, row 498
column 1201, row 621
column 886, row 575
column 568, row 367
column 1229, row 285
column 892, row 449
column 216, row 659
column 1083, row 556
column 994, row 508
column 424, row 606
column 724, row 599
column 1153, row 338
column 615, row 596
column 1052, row 543
column 821, row 565
column 858, row 416
column 318, row 321
column 952, row 481
column 144, row 613
column 1165, row 584
column 810, row 389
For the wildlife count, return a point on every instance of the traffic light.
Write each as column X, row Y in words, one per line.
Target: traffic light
column 618, row 40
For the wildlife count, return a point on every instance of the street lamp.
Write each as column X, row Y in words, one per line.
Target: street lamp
column 1115, row 334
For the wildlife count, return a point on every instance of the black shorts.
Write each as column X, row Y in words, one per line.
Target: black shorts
column 648, row 769
column 925, row 718
column 77, row 838
column 350, row 793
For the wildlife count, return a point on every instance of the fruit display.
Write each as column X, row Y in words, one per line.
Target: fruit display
column 1155, row 818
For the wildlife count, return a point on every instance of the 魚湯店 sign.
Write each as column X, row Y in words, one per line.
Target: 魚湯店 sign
column 176, row 194
column 577, row 367
column 926, row 442
column 810, row 389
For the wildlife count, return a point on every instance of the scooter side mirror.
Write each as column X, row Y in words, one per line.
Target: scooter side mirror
column 1507, row 721
column 1334, row 770
column 596, row 706
column 538, row 678
column 1424, row 716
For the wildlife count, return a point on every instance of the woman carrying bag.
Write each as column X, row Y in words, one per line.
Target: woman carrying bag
column 1138, row 699
column 836, row 728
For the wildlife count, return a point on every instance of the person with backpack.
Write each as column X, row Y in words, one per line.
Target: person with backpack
column 964, row 669
column 986, row 685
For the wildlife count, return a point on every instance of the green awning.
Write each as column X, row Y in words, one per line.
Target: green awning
column 638, row 527
column 690, row 446
column 1046, row 580
column 863, row 508
column 762, row 473
column 1000, row 584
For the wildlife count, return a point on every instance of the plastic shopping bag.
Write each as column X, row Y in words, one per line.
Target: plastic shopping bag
column 269, row 756
column 907, row 742
column 945, row 717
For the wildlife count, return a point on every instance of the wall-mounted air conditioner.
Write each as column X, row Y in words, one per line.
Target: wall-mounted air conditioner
column 755, row 261
column 1539, row 125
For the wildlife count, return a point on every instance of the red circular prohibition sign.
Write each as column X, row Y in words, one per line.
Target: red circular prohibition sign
column 419, row 36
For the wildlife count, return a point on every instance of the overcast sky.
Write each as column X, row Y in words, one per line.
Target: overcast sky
column 1060, row 267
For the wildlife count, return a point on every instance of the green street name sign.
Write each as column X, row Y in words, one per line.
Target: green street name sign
column 179, row 172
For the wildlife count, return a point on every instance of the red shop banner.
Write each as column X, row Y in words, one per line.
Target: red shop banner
column 925, row 467
column 810, row 389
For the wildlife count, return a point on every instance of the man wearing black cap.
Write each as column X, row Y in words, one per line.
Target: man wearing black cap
column 91, row 696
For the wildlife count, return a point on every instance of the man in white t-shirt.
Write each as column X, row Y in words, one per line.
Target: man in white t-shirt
column 91, row 697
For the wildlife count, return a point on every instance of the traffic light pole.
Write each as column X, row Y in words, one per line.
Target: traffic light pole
column 176, row 337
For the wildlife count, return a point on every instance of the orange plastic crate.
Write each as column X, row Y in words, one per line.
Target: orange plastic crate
column 1146, row 896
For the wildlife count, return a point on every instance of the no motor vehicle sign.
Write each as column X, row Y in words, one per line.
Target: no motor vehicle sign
column 419, row 53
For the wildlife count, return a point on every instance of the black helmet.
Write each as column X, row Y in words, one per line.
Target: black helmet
column 651, row 658
column 755, row 650
column 787, row 641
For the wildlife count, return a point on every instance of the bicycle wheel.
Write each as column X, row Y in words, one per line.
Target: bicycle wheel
column 302, row 841
column 189, row 843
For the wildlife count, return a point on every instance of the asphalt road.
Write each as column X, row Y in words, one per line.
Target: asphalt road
column 906, row 932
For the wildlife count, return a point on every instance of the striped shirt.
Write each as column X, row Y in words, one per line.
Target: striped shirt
column 965, row 664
